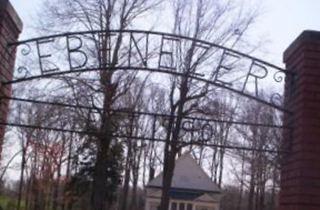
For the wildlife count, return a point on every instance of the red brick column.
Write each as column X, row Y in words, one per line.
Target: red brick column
column 10, row 28
column 300, row 175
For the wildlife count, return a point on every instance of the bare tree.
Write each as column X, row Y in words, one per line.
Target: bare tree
column 110, row 89
column 199, row 20
column 259, row 168
column 100, row 15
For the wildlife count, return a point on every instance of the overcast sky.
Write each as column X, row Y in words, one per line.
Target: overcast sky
column 281, row 21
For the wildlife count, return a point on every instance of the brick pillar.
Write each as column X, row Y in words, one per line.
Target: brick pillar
column 300, row 175
column 10, row 28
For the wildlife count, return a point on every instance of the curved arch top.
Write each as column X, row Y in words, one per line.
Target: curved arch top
column 151, row 51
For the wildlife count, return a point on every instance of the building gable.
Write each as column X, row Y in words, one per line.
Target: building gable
column 187, row 175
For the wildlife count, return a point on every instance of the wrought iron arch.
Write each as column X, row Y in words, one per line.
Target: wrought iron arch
column 74, row 44
column 39, row 62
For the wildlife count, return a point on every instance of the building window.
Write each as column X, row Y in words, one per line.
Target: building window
column 174, row 206
column 181, row 206
column 204, row 208
column 189, row 206
column 154, row 205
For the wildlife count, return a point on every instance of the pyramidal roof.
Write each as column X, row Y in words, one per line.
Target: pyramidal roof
column 187, row 175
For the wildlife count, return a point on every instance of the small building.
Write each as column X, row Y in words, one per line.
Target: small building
column 191, row 188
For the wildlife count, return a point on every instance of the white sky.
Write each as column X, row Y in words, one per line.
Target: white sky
column 280, row 23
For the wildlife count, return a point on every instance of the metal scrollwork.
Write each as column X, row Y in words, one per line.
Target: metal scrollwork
column 22, row 72
column 276, row 99
column 279, row 76
column 188, row 126
column 200, row 130
column 207, row 132
column 26, row 49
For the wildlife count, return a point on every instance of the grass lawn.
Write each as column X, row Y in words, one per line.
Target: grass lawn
column 4, row 200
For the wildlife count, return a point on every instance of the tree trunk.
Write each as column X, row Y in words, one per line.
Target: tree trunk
column 99, row 194
column 56, row 189
column 66, row 200
column 23, row 163
column 135, row 171
column 222, row 152
column 28, row 194
column 251, row 192
column 239, row 205
column 167, row 179
column 171, row 148
column 99, row 190
column 126, row 178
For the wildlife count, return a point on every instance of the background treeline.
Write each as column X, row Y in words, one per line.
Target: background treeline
column 111, row 153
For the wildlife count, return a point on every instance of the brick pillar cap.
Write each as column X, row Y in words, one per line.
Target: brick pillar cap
column 305, row 36
column 5, row 5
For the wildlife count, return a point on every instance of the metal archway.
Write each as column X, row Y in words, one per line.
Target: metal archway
column 155, row 52
column 233, row 70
